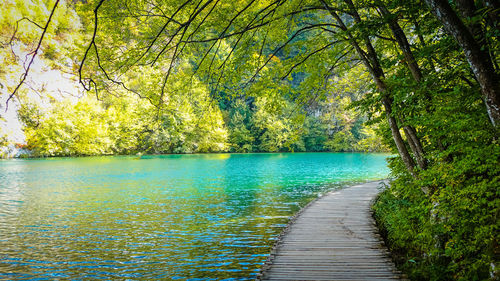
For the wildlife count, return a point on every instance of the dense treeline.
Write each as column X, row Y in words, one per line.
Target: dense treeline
column 128, row 125
column 292, row 75
column 192, row 122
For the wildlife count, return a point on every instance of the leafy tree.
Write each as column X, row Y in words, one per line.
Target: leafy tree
column 240, row 137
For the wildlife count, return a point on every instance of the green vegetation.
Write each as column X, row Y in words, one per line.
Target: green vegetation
column 421, row 78
column 190, row 123
column 185, row 115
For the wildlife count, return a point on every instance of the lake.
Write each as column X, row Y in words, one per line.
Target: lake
column 177, row 217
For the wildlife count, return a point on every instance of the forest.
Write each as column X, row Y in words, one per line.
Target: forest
column 420, row 79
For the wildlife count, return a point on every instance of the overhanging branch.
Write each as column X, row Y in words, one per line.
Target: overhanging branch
column 34, row 53
column 92, row 43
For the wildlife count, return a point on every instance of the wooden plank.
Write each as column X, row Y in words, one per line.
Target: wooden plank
column 332, row 238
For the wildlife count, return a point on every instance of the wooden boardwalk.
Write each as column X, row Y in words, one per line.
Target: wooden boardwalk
column 333, row 238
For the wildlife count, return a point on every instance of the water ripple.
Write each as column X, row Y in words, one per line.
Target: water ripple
column 189, row 217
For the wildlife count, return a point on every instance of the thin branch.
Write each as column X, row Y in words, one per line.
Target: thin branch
column 223, row 65
column 177, row 52
column 170, row 19
column 196, row 29
column 385, row 38
column 241, row 35
column 248, row 28
column 298, row 32
column 362, row 54
column 220, row 37
column 25, row 74
column 92, row 42
column 17, row 27
column 92, row 82
column 203, row 20
column 169, row 71
column 311, row 54
column 184, row 26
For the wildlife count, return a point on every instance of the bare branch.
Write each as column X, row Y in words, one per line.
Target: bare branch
column 308, row 56
column 92, row 42
column 163, row 29
column 25, row 74
column 298, row 32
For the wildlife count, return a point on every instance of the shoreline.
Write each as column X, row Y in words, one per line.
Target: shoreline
column 198, row 153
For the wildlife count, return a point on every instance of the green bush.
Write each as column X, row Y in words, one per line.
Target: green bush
column 453, row 233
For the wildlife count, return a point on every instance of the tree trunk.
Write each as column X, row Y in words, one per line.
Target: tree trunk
column 411, row 62
column 470, row 11
column 370, row 60
column 416, row 146
column 403, row 44
column 396, row 135
column 478, row 58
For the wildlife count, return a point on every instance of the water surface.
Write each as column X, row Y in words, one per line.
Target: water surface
column 186, row 217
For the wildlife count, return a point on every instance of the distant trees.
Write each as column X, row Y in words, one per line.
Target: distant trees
column 188, row 124
column 123, row 125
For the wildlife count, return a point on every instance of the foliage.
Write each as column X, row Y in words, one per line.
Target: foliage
column 452, row 232
column 187, row 124
column 121, row 126
column 453, row 236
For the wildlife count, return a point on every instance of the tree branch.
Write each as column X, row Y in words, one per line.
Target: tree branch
column 315, row 52
column 298, row 32
column 92, row 42
column 25, row 74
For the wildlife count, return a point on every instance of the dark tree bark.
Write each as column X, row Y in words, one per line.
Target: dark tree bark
column 403, row 44
column 488, row 11
column 370, row 60
column 478, row 58
column 416, row 146
column 468, row 10
column 411, row 62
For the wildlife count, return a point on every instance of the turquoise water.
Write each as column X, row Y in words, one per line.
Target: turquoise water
column 185, row 217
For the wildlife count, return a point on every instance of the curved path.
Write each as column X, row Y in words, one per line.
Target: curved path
column 333, row 238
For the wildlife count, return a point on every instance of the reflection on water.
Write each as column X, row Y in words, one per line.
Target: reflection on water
column 207, row 217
